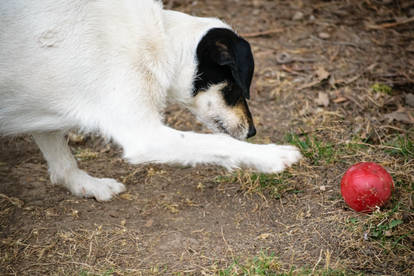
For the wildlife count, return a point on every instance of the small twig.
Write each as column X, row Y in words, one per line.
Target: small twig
column 395, row 128
column 390, row 25
column 308, row 85
column 13, row 200
column 319, row 260
column 340, row 43
column 90, row 246
column 376, row 146
column 262, row 33
column 354, row 101
column 225, row 242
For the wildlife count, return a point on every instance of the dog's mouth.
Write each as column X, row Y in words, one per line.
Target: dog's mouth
column 221, row 128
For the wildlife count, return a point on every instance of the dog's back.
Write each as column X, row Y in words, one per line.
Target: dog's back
column 53, row 52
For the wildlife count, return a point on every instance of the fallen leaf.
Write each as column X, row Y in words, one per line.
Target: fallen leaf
column 401, row 115
column 322, row 74
column 323, row 99
column 409, row 99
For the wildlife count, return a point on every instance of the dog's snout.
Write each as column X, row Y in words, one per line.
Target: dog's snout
column 252, row 131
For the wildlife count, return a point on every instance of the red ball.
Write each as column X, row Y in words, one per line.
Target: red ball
column 366, row 185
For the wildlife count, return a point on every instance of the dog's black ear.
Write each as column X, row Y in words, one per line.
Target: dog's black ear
column 220, row 54
column 236, row 54
column 242, row 74
column 243, row 69
column 223, row 55
column 245, row 87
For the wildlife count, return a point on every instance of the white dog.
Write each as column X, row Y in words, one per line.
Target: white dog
column 112, row 67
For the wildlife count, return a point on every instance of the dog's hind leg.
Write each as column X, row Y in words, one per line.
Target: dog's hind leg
column 64, row 170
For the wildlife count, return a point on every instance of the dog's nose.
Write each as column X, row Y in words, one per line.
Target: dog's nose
column 252, row 131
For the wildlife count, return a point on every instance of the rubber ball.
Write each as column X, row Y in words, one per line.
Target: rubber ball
column 365, row 186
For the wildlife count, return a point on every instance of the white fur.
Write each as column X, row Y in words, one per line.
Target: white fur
column 110, row 66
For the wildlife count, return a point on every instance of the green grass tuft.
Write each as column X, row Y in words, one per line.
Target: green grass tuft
column 401, row 145
column 381, row 88
column 387, row 228
column 261, row 265
column 273, row 185
column 313, row 148
column 267, row 265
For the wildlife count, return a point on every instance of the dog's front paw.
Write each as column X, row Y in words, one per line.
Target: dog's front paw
column 273, row 158
column 107, row 189
column 102, row 189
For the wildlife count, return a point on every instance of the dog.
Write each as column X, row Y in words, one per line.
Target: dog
column 112, row 67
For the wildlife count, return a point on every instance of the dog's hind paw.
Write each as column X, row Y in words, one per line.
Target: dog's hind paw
column 274, row 158
column 102, row 189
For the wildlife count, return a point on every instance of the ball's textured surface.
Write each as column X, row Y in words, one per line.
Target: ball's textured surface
column 366, row 185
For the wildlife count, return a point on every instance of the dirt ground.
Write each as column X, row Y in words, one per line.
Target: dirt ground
column 335, row 78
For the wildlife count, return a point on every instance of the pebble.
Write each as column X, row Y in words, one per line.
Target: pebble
column 283, row 58
column 298, row 16
column 324, row 35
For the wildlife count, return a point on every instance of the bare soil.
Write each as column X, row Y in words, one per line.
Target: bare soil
column 336, row 75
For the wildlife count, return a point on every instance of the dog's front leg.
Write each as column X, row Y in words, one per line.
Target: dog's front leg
column 166, row 145
column 64, row 170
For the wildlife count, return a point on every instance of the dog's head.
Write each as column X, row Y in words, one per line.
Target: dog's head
column 222, row 85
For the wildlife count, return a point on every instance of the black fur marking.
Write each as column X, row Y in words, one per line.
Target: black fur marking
column 223, row 56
